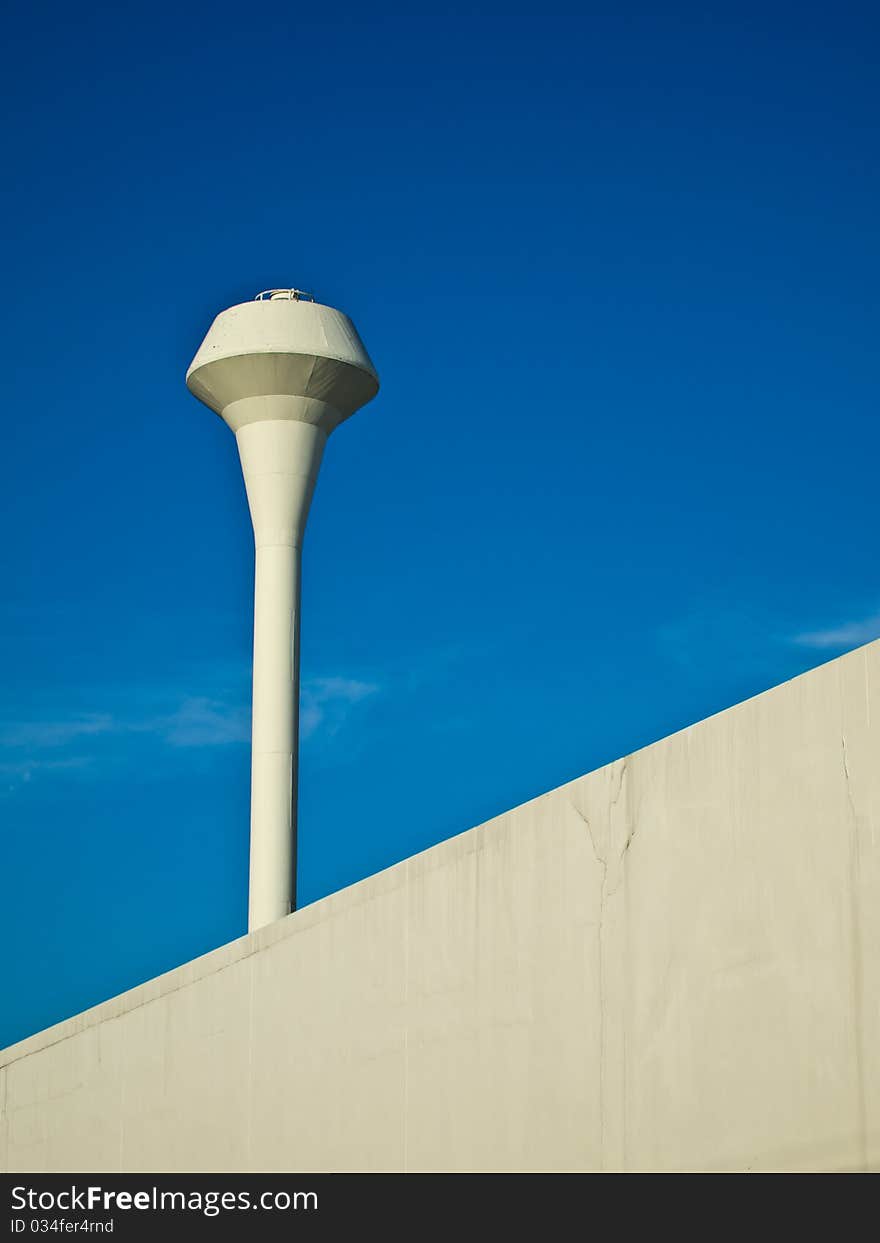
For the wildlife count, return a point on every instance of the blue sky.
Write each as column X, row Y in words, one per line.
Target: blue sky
column 618, row 269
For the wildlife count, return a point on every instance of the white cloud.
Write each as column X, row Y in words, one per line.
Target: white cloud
column 327, row 701
column 28, row 747
column 850, row 634
column 45, row 734
column 202, row 722
column 21, row 772
column 24, row 769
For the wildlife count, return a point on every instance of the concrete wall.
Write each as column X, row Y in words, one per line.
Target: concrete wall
column 670, row 964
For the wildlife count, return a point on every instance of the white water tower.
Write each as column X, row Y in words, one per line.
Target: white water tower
column 282, row 372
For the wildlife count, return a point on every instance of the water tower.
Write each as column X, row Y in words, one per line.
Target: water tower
column 282, row 372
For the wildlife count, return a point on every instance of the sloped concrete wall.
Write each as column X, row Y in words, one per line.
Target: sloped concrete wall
column 672, row 963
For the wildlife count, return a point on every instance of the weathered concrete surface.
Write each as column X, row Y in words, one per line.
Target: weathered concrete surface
column 670, row 964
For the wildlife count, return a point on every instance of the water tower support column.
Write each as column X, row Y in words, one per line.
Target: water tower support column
column 280, row 461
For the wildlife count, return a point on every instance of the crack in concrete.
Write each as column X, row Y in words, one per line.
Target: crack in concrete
column 856, row 933
column 630, row 828
column 607, row 860
column 600, row 972
column 616, row 799
column 848, row 779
